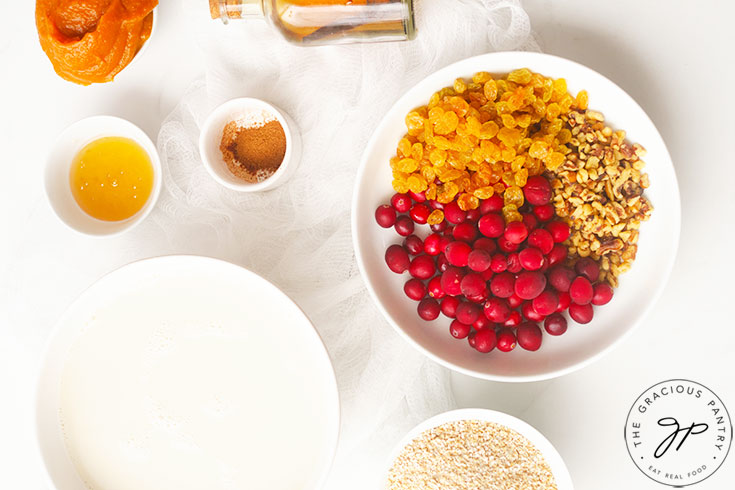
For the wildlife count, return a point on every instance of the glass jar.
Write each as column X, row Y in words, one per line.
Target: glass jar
column 309, row 22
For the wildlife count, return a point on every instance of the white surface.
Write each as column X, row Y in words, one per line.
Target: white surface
column 673, row 56
column 581, row 345
column 60, row 157
column 186, row 372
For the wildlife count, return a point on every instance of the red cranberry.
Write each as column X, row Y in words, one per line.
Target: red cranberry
column 493, row 204
column 417, row 196
column 444, row 241
column 485, row 244
column 559, row 230
column 528, row 285
column 434, row 288
column 385, row 216
column 431, row 244
column 530, row 221
column 468, row 312
column 442, row 263
column 555, row 324
column 439, row 227
column 485, row 340
column 514, row 301
column 422, row 267
column 581, row 291
column 542, row 240
column 491, row 225
column 564, row 301
column 531, row 258
column 544, row 212
column 515, row 232
column 506, row 340
column 487, row 274
column 459, row 330
column 413, row 244
column 471, row 339
column 529, row 336
column 428, row 309
column 404, row 225
column 420, row 213
column 502, row 285
column 414, row 289
column 401, row 202
column 479, row 260
column 454, row 214
column 588, row 268
column 397, row 259
column 545, row 303
column 530, row 314
column 435, row 204
column 478, row 298
column 514, row 319
column 482, row 323
column 448, row 231
column 449, row 306
column 602, row 294
column 514, row 263
column 496, row 310
column 473, row 214
column 473, row 285
column 458, row 253
column 581, row 313
column 465, row 232
column 498, row 263
column 557, row 255
column 537, row 190
column 561, row 278
column 451, row 280
column 506, row 245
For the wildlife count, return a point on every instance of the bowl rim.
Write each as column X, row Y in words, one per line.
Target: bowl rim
column 140, row 137
column 546, row 448
column 52, row 339
column 525, row 58
column 243, row 104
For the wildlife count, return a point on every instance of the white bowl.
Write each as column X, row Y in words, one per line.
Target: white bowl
column 211, row 137
column 59, row 161
column 176, row 291
column 582, row 344
column 550, row 454
column 144, row 47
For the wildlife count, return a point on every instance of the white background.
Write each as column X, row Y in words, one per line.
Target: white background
column 675, row 57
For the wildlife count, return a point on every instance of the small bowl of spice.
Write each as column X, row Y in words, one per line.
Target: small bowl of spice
column 249, row 145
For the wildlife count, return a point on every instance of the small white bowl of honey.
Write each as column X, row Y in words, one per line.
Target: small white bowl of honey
column 103, row 176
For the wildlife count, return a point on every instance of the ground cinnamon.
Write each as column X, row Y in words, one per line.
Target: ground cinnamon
column 253, row 148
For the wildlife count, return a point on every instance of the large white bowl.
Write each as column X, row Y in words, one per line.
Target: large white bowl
column 550, row 454
column 174, row 291
column 582, row 344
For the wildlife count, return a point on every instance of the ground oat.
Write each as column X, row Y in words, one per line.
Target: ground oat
column 470, row 455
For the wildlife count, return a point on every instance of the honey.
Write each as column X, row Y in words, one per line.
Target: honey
column 111, row 178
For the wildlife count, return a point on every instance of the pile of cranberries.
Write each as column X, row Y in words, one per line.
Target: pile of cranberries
column 496, row 281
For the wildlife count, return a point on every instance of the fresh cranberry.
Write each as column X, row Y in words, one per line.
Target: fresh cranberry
column 417, row 196
column 530, row 221
column 530, row 314
column 531, row 258
column 434, row 288
column 514, row 319
column 514, row 301
column 458, row 253
column 529, row 284
column 561, row 278
column 451, row 280
column 428, row 309
column 485, row 340
column 449, row 306
column 581, row 291
column 471, row 339
column 431, row 244
column 557, row 255
column 473, row 215
column 454, row 214
column 493, row 204
column 459, row 330
column 473, row 284
column 602, row 294
column 506, row 340
column 514, row 263
column 448, row 231
column 413, row 244
column 439, row 227
column 555, row 324
column 506, row 245
column 422, row 267
column 588, row 268
column 544, row 212
column 487, row 274
column 479, row 260
column 404, row 225
column 401, row 202
column 502, row 285
column 529, row 336
column 435, row 204
column 496, row 310
column 542, row 240
column 420, row 213
column 478, row 298
column 444, row 241
column 564, row 301
column 537, row 190
column 515, row 232
column 486, row 244
column 546, row 302
column 442, row 263
column 414, row 289
column 397, row 259
column 465, row 232
column 482, row 323
column 581, row 313
column 498, row 263
column 559, row 230
column 468, row 312
column 491, row 225
column 385, row 216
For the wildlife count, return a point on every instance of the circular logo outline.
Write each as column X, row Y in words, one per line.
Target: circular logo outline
column 627, row 446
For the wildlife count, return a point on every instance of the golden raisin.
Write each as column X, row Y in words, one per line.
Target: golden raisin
column 436, row 217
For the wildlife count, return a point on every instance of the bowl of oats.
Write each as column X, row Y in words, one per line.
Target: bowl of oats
column 468, row 449
column 516, row 216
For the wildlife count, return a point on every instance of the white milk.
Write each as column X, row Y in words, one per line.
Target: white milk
column 167, row 389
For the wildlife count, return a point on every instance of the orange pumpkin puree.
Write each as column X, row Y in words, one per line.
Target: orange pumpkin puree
column 91, row 41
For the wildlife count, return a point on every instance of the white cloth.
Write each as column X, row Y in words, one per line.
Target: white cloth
column 298, row 236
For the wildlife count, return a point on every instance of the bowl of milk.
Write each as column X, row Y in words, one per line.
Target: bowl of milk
column 186, row 373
